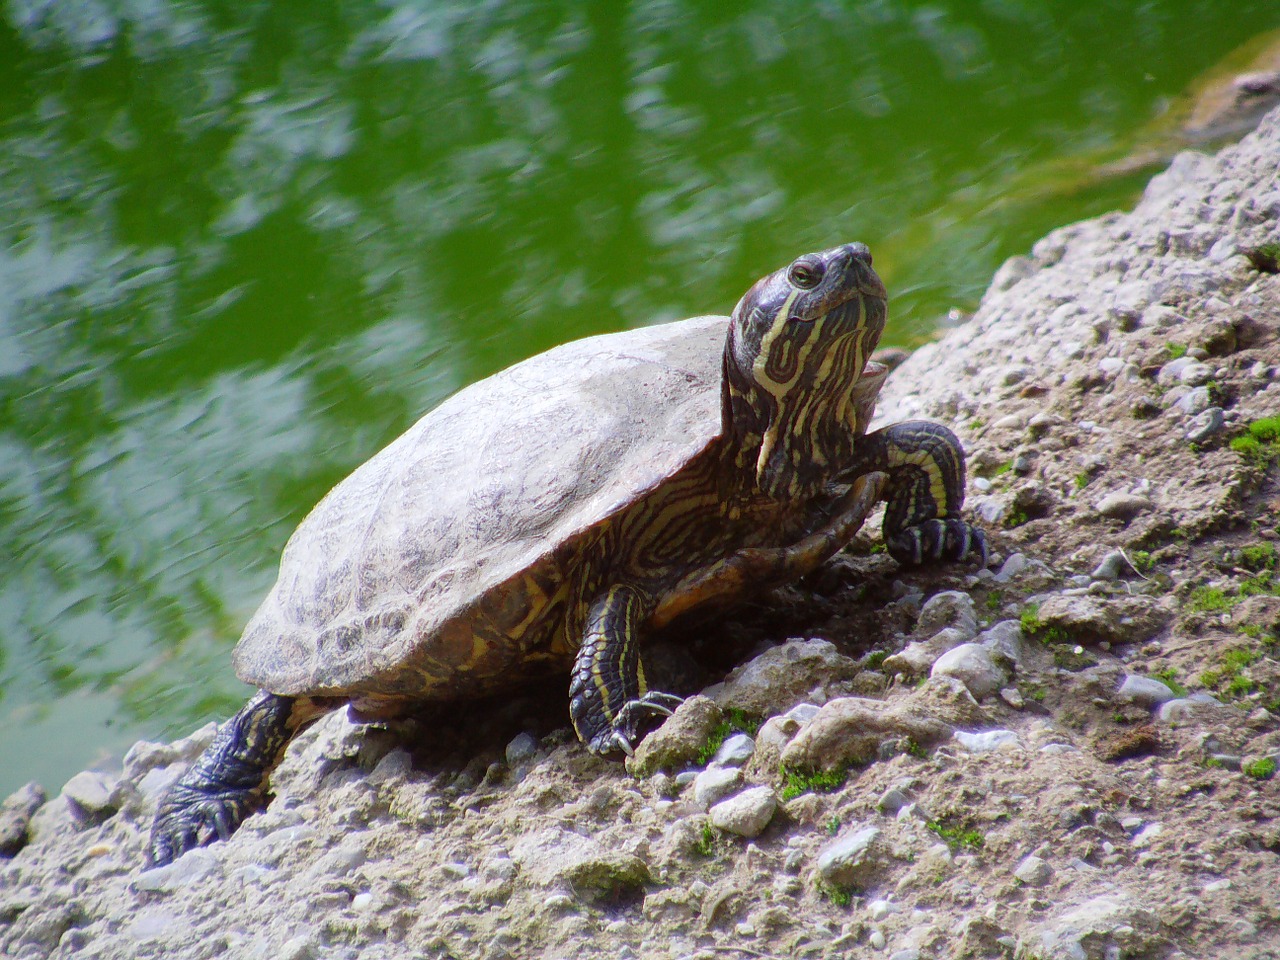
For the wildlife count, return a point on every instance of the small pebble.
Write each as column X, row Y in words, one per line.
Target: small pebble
column 892, row 801
column 986, row 741
column 1171, row 372
column 1110, row 366
column 879, row 909
column 1194, row 401
column 1147, row 834
column 746, row 814
column 1015, row 565
column 1205, row 425
column 1144, row 691
column 849, row 858
column 1122, row 506
column 1196, row 373
column 876, row 939
column 972, row 665
column 15, row 817
column 1042, row 423
column 343, row 859
column 1054, row 749
column 714, row 784
column 990, row 509
column 1113, row 565
column 735, row 751
column 1178, row 710
column 1033, row 871
column 522, row 748
column 89, row 794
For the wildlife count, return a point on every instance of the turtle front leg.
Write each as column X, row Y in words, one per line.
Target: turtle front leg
column 925, row 492
column 227, row 782
column 608, row 696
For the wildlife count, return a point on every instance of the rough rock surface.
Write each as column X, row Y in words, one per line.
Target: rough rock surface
column 1057, row 819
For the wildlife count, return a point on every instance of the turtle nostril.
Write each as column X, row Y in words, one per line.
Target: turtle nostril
column 860, row 251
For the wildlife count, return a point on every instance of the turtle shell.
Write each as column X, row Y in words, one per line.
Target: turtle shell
column 490, row 486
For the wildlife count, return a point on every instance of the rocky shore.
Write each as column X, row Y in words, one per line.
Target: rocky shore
column 1068, row 755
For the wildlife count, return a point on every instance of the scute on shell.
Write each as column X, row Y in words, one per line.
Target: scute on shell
column 502, row 478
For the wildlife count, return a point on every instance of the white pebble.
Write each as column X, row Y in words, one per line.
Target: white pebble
column 987, row 740
column 714, row 784
column 1033, row 871
column 735, row 751
column 879, row 909
column 746, row 814
column 1147, row 834
column 1144, row 691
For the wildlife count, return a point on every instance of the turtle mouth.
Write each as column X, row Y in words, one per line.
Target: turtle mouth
column 870, row 285
column 872, row 373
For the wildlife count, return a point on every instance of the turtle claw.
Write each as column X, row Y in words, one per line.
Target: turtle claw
column 189, row 819
column 936, row 540
column 624, row 733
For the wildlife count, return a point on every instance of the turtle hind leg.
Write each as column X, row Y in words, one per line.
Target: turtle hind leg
column 228, row 781
column 609, row 702
column 925, row 464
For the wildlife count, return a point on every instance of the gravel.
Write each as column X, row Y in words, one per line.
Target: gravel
column 1063, row 846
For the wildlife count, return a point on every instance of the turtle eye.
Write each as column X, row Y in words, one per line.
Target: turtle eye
column 805, row 274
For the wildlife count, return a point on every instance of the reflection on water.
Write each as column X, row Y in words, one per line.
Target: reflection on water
column 243, row 245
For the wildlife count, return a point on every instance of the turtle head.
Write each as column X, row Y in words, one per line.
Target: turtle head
column 798, row 344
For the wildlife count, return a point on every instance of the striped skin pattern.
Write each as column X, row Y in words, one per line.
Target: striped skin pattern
column 925, row 465
column 655, row 471
column 226, row 783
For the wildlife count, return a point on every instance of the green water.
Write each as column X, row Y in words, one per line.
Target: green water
column 242, row 245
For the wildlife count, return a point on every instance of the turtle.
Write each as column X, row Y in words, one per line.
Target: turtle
column 547, row 518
